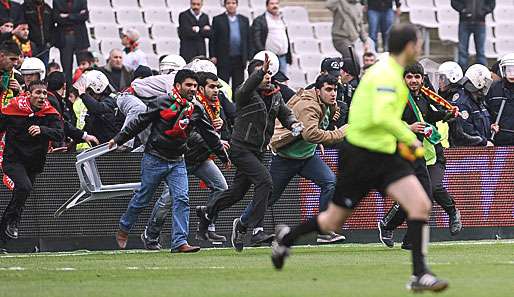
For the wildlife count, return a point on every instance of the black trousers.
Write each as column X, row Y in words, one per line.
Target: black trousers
column 250, row 171
column 234, row 69
column 23, row 179
column 67, row 53
column 439, row 193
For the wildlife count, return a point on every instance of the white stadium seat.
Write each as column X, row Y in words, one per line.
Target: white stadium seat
column 297, row 14
column 156, row 16
column 328, row 49
column 153, row 61
column 306, row 46
column 423, row 16
column 124, row 3
column 310, row 61
column 102, row 16
column 107, row 44
column 299, row 30
column 106, row 31
column 449, row 32
column 442, row 3
column 504, row 15
column 245, row 11
column 447, row 15
column 504, row 3
column 128, row 16
column 146, row 45
column 141, row 28
column 241, row 4
column 296, row 78
column 504, row 46
column 161, row 4
column 257, row 12
column 167, row 46
column 504, row 30
column 212, row 11
column 164, row 31
column 323, row 30
column 414, row 4
column 98, row 4
column 258, row 3
column 312, row 74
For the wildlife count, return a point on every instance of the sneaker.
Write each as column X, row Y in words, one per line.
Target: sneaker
column 209, row 236
column 455, row 223
column 238, row 235
column 261, row 237
column 3, row 251
column 330, row 237
column 151, row 245
column 203, row 224
column 279, row 252
column 386, row 236
column 426, row 282
column 122, row 238
column 11, row 230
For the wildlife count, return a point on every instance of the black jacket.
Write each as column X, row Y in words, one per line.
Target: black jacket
column 39, row 33
column 255, row 121
column 502, row 91
column 473, row 10
column 219, row 43
column 192, row 43
column 68, row 116
column 259, row 32
column 15, row 13
column 429, row 115
column 381, row 5
column 103, row 119
column 168, row 147
column 22, row 148
column 125, row 78
column 75, row 22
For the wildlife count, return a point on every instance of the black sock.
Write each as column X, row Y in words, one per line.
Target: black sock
column 394, row 217
column 309, row 226
column 418, row 236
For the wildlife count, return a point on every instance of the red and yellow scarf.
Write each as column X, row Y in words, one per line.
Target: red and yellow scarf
column 25, row 46
column 179, row 113
column 212, row 107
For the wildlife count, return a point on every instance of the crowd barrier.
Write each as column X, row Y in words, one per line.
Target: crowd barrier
column 480, row 179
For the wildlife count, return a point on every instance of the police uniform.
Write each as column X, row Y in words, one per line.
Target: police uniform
column 502, row 91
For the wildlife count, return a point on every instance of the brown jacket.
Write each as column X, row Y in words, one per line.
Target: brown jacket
column 309, row 110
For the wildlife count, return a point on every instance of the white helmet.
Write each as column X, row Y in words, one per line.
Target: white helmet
column 171, row 63
column 507, row 66
column 451, row 70
column 96, row 81
column 480, row 78
column 274, row 63
column 198, row 65
column 33, row 65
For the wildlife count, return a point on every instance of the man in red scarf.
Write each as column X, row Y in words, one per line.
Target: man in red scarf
column 29, row 123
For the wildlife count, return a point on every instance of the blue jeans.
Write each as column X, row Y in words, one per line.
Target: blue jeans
column 465, row 31
column 206, row 171
column 153, row 171
column 283, row 64
column 282, row 170
column 380, row 21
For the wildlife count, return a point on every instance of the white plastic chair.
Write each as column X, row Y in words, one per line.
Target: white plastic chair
column 306, row 46
column 145, row 4
column 504, row 14
column 310, row 61
column 164, row 31
column 102, row 16
column 129, row 16
column 299, row 30
column 167, row 46
column 91, row 183
column 423, row 16
column 157, row 16
column 124, row 3
column 447, row 15
column 141, row 28
column 107, row 44
column 328, row 49
column 295, row 14
column 449, row 32
column 106, row 31
column 98, row 4
column 323, row 30
column 414, row 4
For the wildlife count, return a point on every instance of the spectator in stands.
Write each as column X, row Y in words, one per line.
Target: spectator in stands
column 133, row 56
column 20, row 35
column 38, row 16
column 53, row 66
column 502, row 93
column 9, row 58
column 11, row 10
column 85, row 62
column 193, row 28
column 269, row 33
column 381, row 18
column 103, row 119
column 368, row 59
column 229, row 44
column 472, row 21
column 474, row 118
column 70, row 32
column 6, row 27
column 348, row 25
column 29, row 122
column 119, row 76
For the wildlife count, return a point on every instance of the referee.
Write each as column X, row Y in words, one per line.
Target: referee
column 369, row 159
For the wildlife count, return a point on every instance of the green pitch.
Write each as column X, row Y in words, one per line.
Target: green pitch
column 473, row 269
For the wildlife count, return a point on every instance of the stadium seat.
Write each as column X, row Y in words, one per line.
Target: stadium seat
column 504, row 15
column 442, row 3
column 322, row 30
column 489, row 19
column 449, row 32
column 141, row 28
column 145, row 4
column 246, row 11
column 102, row 16
column 257, row 12
column 310, row 61
column 258, row 4
column 213, row 11
column 504, row 4
column 124, row 3
column 175, row 12
column 306, row 46
column 415, row 4
column 157, row 16
column 164, row 31
column 167, row 46
column 98, row 4
column 146, row 45
column 299, row 30
column 296, row 78
column 94, row 46
column 153, row 61
column 295, row 14
column 447, row 15
column 106, row 31
column 107, row 44
column 311, row 75
column 423, row 16
column 328, row 49
column 241, row 4
column 129, row 16
column 504, row 30
column 504, row 46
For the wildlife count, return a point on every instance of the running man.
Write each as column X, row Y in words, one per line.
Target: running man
column 369, row 159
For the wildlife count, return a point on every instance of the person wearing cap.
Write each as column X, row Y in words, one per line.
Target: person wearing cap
column 70, row 31
column 193, row 28
column 118, row 74
column 259, row 103
column 133, row 56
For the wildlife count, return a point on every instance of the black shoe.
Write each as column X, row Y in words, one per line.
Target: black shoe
column 11, row 230
column 261, row 237
column 279, row 252
column 151, row 245
column 238, row 235
column 210, row 236
column 330, row 237
column 203, row 224
column 426, row 282
column 3, row 251
column 406, row 246
column 455, row 223
column 386, row 236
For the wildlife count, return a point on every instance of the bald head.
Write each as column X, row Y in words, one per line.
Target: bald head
column 116, row 58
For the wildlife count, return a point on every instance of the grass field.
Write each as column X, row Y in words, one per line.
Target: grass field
column 473, row 269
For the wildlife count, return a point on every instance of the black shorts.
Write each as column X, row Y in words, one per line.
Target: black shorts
column 361, row 170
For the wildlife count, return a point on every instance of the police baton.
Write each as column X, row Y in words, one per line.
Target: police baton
column 498, row 117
